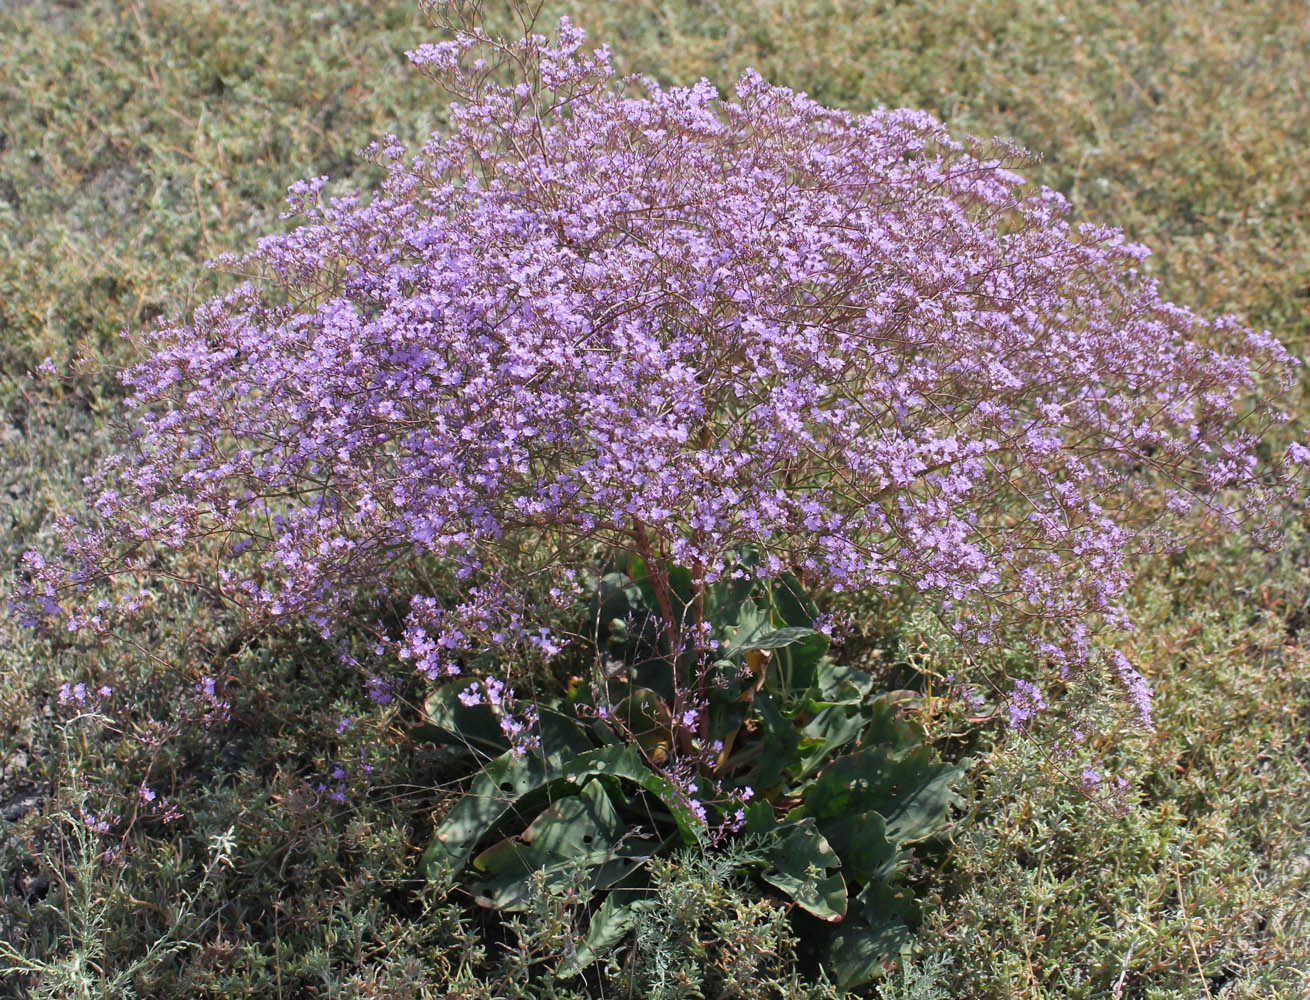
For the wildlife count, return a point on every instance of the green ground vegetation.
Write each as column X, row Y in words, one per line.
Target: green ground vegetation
column 139, row 138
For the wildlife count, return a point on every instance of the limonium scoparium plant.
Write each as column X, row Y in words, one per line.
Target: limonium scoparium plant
column 600, row 313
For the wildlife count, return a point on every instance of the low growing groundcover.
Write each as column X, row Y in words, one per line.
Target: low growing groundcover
column 645, row 540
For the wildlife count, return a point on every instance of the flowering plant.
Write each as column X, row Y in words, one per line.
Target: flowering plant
column 818, row 774
column 604, row 314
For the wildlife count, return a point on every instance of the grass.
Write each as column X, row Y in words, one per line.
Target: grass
column 139, row 138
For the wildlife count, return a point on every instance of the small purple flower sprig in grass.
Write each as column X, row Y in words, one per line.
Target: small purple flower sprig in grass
column 603, row 314
column 101, row 716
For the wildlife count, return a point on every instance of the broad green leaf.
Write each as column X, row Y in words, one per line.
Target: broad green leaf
column 723, row 603
column 477, row 728
column 582, row 827
column 830, row 728
column 625, row 761
column 790, row 607
column 730, row 698
column 509, row 784
column 759, row 818
column 888, row 728
column 755, row 632
column 778, row 739
column 562, row 736
column 751, row 623
column 613, row 919
column 912, row 792
column 680, row 585
column 496, row 791
column 798, row 662
column 839, row 683
column 861, row 950
column 777, row 638
column 513, row 891
column 586, row 825
column 789, row 604
column 577, row 837
column 876, row 933
column 861, row 841
column 804, row 866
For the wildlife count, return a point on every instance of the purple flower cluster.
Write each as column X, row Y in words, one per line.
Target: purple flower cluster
column 596, row 312
column 1025, row 703
column 77, row 695
column 518, row 721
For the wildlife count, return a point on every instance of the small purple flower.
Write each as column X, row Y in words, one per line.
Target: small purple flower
column 379, row 690
column 102, row 822
column 1025, row 703
column 1139, row 691
column 546, row 644
column 698, row 810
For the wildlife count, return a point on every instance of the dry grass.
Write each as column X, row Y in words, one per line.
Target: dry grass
column 138, row 138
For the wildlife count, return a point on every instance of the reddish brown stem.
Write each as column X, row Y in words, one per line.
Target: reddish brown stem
column 659, row 579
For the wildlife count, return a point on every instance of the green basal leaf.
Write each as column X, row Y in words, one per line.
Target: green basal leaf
column 475, row 727
column 798, row 662
column 800, row 861
column 613, row 919
column 791, row 607
column 730, row 700
column 680, row 584
column 581, row 828
column 789, row 603
column 877, row 931
column 755, row 631
column 723, row 603
column 888, row 728
column 501, row 787
column 838, row 683
column 778, row 740
column 760, row 820
column 751, row 624
column 830, row 728
column 510, row 784
column 805, row 868
column 578, row 838
column 626, row 762
column 862, row 843
column 646, row 716
column 777, row 638
column 912, row 792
